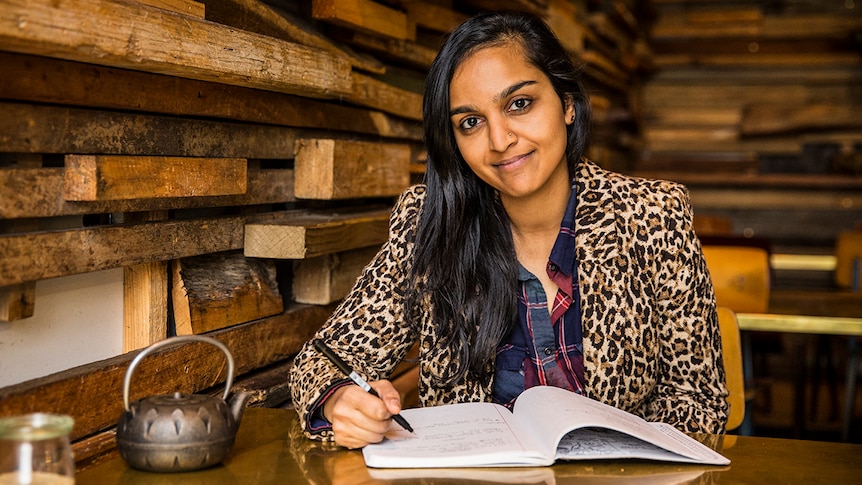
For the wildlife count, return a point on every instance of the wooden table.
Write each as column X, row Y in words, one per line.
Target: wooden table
column 271, row 449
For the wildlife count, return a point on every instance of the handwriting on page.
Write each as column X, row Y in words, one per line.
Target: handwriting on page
column 450, row 434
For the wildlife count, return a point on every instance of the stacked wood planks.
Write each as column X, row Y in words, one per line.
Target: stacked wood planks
column 757, row 106
column 745, row 79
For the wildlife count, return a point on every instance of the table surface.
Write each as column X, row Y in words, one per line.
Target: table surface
column 823, row 325
column 271, row 449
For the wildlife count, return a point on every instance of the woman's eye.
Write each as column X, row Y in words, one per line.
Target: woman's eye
column 519, row 104
column 468, row 123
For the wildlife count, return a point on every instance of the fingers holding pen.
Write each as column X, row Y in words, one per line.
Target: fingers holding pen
column 359, row 418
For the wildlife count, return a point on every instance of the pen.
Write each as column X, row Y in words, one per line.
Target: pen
column 343, row 367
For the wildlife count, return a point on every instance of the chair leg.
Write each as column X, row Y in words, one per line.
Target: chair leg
column 850, row 397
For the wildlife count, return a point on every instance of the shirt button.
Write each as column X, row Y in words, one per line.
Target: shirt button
column 549, row 351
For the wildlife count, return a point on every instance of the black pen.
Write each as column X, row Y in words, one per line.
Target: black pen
column 343, row 367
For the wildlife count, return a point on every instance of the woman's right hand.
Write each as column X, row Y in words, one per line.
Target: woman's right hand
column 359, row 418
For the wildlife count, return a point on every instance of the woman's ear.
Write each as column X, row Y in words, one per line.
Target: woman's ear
column 569, row 112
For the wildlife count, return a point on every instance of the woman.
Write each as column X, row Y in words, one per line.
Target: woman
column 511, row 212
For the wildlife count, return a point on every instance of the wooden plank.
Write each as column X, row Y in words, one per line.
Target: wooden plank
column 145, row 304
column 40, row 255
column 268, row 388
column 405, row 51
column 705, row 95
column 715, row 116
column 135, row 36
column 300, row 234
column 113, row 177
column 93, row 450
column 368, row 91
column 808, row 26
column 337, row 169
column 38, row 192
column 49, row 129
column 44, row 80
column 187, row 7
column 433, row 17
column 564, row 20
column 92, row 393
column 17, row 302
column 326, row 279
column 755, row 59
column 790, row 75
column 216, row 291
column 760, row 119
column 145, row 295
column 364, row 15
column 257, row 16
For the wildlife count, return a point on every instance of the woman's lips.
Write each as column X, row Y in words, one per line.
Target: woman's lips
column 511, row 161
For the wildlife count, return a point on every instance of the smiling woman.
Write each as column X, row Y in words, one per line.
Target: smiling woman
column 521, row 263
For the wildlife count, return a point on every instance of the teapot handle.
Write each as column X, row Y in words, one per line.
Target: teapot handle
column 174, row 340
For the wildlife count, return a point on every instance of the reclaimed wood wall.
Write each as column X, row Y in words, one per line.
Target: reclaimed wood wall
column 757, row 106
column 237, row 159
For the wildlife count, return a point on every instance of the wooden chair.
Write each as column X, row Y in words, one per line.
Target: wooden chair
column 731, row 347
column 848, row 264
column 740, row 276
column 741, row 279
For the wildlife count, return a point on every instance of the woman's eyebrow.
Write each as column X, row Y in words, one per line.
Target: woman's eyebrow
column 503, row 95
column 512, row 89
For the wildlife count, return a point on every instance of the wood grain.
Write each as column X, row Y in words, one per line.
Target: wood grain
column 300, row 234
column 56, row 81
column 365, row 15
column 187, row 7
column 114, row 177
column 145, row 310
column 215, row 291
column 330, row 169
column 49, row 129
column 368, row 91
column 40, row 255
column 136, row 36
column 257, row 16
column 39, row 192
column 325, row 279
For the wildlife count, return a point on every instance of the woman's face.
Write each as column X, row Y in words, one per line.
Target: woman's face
column 509, row 123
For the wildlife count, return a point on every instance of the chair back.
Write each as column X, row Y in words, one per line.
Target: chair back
column 740, row 276
column 848, row 260
column 731, row 349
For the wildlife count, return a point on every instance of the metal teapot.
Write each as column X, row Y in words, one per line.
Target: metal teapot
column 179, row 432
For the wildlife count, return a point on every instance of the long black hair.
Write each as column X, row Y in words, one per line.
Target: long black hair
column 465, row 259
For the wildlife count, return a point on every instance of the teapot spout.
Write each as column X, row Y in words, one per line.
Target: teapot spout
column 237, row 405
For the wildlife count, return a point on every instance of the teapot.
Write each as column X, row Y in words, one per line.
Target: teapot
column 179, row 432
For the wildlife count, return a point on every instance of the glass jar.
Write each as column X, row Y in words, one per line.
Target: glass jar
column 35, row 450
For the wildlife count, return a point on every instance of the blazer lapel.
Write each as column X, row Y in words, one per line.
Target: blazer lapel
column 601, row 274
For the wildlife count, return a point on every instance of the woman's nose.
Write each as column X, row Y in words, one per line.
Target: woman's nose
column 501, row 137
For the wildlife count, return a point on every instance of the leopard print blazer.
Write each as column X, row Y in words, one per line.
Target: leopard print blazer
column 651, row 338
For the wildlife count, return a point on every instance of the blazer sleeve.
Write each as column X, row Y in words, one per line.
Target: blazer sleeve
column 690, row 389
column 368, row 329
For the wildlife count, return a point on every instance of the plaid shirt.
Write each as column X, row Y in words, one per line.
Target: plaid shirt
column 545, row 349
